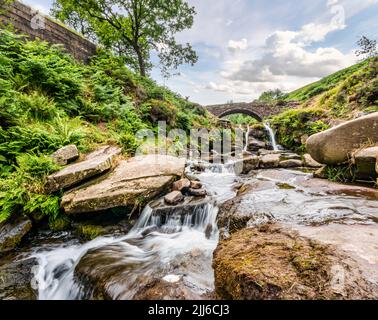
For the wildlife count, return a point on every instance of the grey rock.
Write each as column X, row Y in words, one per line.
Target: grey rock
column 65, row 155
column 291, row 163
column 94, row 164
column 181, row 185
column 308, row 161
column 174, row 197
column 143, row 177
column 12, row 232
column 16, row 280
column 198, row 192
column 365, row 161
column 335, row 145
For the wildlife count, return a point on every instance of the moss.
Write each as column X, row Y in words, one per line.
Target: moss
column 284, row 186
column 292, row 125
column 60, row 224
column 271, row 263
column 90, row 232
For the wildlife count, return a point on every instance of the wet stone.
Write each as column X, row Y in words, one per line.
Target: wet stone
column 174, row 197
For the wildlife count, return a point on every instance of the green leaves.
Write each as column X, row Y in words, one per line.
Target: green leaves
column 133, row 28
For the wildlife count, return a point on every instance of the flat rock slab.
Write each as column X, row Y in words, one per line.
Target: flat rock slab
column 358, row 241
column 94, row 164
column 133, row 180
column 335, row 145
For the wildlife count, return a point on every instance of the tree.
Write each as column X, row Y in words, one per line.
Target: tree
column 134, row 28
column 271, row 95
column 368, row 47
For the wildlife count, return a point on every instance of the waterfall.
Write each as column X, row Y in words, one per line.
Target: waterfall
column 246, row 139
column 271, row 136
column 168, row 246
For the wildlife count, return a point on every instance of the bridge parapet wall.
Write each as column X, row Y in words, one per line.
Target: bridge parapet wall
column 258, row 110
column 28, row 21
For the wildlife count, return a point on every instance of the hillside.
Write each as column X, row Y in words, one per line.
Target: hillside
column 48, row 100
column 343, row 95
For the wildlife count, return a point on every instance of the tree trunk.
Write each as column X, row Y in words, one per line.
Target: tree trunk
column 142, row 66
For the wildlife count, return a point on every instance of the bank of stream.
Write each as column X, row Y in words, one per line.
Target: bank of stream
column 170, row 256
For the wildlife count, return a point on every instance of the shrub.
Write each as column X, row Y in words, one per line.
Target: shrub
column 294, row 124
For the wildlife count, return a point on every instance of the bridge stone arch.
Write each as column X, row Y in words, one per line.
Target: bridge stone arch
column 250, row 113
column 257, row 110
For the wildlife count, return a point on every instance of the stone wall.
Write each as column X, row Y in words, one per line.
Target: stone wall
column 28, row 21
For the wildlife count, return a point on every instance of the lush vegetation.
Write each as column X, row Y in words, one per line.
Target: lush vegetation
column 294, row 126
column 271, row 95
column 241, row 119
column 342, row 95
column 48, row 100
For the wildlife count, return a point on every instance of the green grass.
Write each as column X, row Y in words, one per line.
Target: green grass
column 323, row 85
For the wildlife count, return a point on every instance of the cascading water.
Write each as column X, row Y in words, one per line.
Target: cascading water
column 271, row 136
column 246, row 138
column 174, row 248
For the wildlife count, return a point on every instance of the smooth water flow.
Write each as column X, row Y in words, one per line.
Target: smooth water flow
column 176, row 248
column 246, row 138
column 271, row 136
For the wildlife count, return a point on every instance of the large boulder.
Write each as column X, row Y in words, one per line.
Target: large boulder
column 365, row 161
column 94, row 164
column 271, row 262
column 12, row 232
column 65, row 155
column 335, row 145
column 132, row 181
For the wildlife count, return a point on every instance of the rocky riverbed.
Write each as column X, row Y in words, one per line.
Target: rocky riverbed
column 159, row 227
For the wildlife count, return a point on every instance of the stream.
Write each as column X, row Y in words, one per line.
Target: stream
column 170, row 256
column 154, row 247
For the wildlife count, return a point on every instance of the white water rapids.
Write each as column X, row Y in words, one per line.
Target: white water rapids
column 152, row 247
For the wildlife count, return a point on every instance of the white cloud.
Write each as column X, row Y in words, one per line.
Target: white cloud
column 249, row 48
column 234, row 45
column 287, row 53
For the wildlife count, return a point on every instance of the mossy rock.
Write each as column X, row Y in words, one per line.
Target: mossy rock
column 90, row 232
column 270, row 262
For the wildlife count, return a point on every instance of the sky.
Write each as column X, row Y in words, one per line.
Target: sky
column 246, row 47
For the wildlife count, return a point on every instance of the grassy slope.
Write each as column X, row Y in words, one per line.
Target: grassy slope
column 342, row 95
column 48, row 100
column 305, row 93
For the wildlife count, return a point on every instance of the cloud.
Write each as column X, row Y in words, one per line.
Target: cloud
column 287, row 45
column 234, row 45
column 287, row 53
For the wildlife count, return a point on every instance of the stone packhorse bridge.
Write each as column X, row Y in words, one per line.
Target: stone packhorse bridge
column 257, row 110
